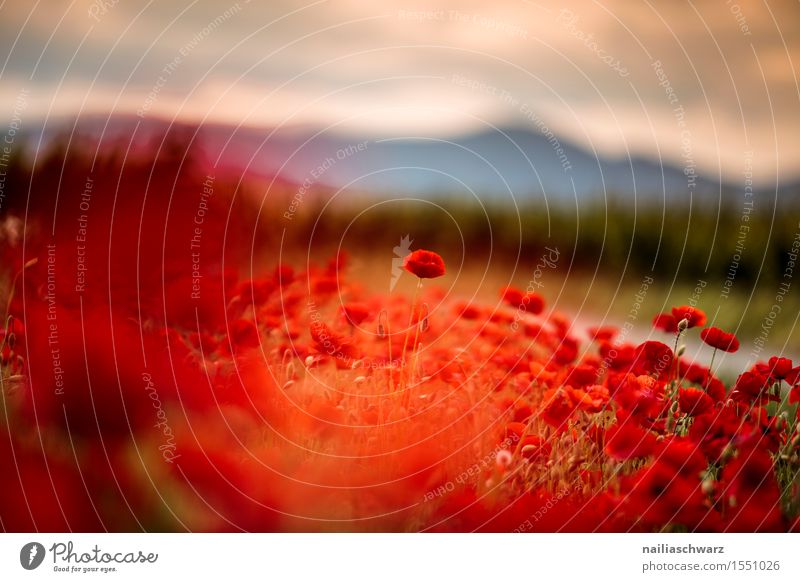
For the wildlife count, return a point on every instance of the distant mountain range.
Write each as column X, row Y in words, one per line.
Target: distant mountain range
column 495, row 163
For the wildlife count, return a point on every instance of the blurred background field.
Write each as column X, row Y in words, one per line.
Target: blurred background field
column 606, row 245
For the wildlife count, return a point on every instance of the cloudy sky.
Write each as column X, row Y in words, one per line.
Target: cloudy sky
column 706, row 81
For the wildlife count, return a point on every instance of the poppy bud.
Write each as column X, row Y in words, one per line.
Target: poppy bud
column 683, row 324
column 382, row 316
column 424, row 317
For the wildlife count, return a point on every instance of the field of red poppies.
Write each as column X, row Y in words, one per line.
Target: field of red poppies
column 151, row 384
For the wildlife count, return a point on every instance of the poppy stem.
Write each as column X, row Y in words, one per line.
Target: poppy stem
column 711, row 365
column 390, row 366
column 518, row 448
column 408, row 333
column 415, row 351
column 13, row 290
column 675, row 354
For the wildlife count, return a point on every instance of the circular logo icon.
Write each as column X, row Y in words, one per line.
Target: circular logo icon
column 31, row 555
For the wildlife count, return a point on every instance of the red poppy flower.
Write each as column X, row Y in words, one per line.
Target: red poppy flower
column 665, row 322
column 243, row 334
column 558, row 408
column 713, row 432
column 331, row 343
column 467, row 310
column 424, row 264
column 617, row 357
column 692, row 371
column 670, row 490
column 566, row 352
column 627, row 440
column 720, row 340
column 581, row 375
column 715, row 388
column 355, row 313
column 778, row 368
column 652, row 358
column 642, row 397
column 533, row 303
column 513, row 432
column 324, row 285
column 751, row 490
column 512, row 295
column 694, row 316
column 603, row 334
column 283, row 275
column 683, row 456
column 694, row 401
column 751, row 387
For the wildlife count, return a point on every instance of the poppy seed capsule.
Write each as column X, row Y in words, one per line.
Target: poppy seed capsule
column 382, row 316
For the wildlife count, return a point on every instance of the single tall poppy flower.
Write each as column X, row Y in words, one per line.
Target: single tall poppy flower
column 695, row 317
column 719, row 339
column 424, row 264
